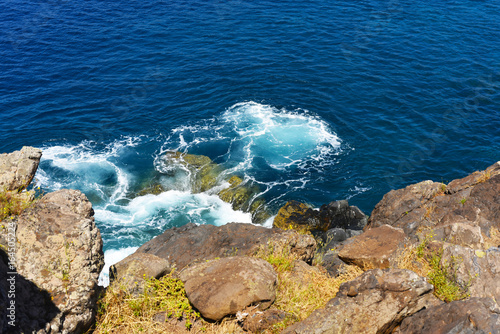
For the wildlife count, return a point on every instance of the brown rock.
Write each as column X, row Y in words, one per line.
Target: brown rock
column 375, row 302
column 477, row 315
column 18, row 168
column 462, row 212
column 183, row 245
column 225, row 286
column 259, row 321
column 60, row 250
column 376, row 248
column 135, row 268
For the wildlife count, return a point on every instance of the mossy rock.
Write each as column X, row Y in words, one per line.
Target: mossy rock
column 259, row 211
column 237, row 194
column 204, row 172
column 154, row 189
column 295, row 215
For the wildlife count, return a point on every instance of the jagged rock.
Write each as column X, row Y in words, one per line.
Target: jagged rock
column 225, row 286
column 299, row 216
column 477, row 271
column 463, row 213
column 376, row 248
column 255, row 321
column 375, row 302
column 60, row 250
column 135, row 268
column 476, row 315
column 18, row 168
column 340, row 214
column 183, row 245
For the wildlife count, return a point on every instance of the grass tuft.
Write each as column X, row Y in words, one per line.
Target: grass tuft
column 427, row 263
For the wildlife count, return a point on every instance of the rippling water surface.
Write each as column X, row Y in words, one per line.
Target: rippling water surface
column 314, row 101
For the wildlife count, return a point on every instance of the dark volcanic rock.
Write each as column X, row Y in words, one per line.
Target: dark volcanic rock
column 183, row 245
column 336, row 214
column 375, row 302
column 225, row 286
column 464, row 212
column 476, row 315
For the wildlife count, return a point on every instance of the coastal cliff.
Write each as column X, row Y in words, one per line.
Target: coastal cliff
column 426, row 260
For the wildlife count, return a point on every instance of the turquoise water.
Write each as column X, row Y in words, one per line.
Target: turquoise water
column 314, row 101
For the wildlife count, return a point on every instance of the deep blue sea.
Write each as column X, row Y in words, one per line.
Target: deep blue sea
column 312, row 100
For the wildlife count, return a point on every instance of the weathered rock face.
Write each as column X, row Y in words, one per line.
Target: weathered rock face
column 376, row 248
column 256, row 321
column 225, row 286
column 131, row 271
column 183, row 245
column 476, row 315
column 462, row 213
column 18, row 168
column 476, row 269
column 60, row 250
column 375, row 302
column 338, row 214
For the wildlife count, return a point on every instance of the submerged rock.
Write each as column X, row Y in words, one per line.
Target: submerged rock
column 203, row 172
column 205, row 175
column 225, row 286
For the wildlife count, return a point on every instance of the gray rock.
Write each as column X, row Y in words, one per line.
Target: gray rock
column 18, row 168
column 476, row 270
column 225, row 286
column 476, row 315
column 131, row 272
column 59, row 250
column 183, row 245
column 375, row 302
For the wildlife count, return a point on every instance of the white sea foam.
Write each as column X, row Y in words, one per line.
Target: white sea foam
column 111, row 257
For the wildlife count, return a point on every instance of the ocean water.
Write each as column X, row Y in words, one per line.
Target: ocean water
column 313, row 101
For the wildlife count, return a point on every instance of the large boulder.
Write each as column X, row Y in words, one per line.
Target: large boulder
column 18, row 168
column 59, row 249
column 375, row 302
column 225, row 286
column 465, row 212
column 181, row 246
column 476, row 315
column 376, row 248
